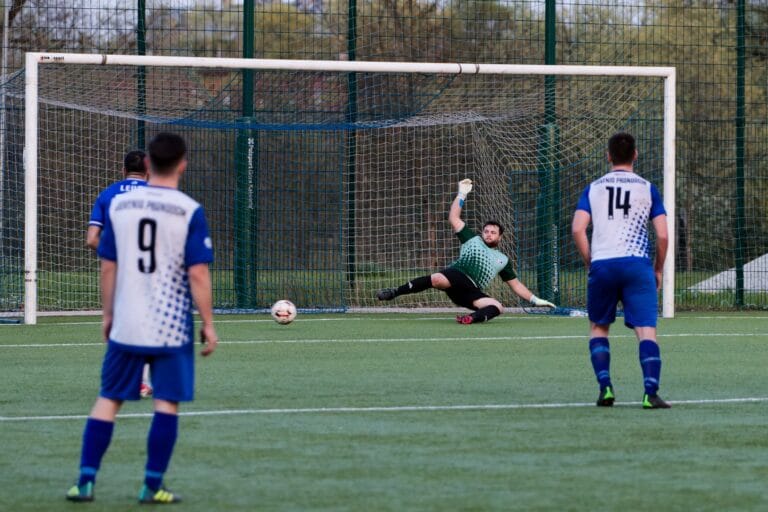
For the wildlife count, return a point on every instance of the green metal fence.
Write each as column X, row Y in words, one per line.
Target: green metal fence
column 720, row 50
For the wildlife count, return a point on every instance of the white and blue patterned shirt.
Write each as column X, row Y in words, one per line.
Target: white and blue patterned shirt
column 620, row 205
column 154, row 234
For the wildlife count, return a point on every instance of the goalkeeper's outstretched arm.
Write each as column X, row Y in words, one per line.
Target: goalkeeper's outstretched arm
column 524, row 293
column 454, row 215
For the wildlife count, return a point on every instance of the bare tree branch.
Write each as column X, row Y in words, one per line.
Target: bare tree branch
column 15, row 9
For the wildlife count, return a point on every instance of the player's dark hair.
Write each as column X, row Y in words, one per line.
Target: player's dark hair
column 494, row 223
column 133, row 163
column 621, row 148
column 166, row 150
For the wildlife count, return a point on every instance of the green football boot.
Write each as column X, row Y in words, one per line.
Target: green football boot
column 654, row 402
column 606, row 397
column 162, row 496
column 81, row 493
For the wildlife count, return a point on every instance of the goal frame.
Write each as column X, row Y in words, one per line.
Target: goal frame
column 35, row 59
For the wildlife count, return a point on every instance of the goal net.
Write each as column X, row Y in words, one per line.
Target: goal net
column 322, row 181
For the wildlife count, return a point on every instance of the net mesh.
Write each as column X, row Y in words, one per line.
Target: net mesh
column 336, row 184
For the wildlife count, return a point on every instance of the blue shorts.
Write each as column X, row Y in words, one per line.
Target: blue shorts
column 172, row 374
column 629, row 280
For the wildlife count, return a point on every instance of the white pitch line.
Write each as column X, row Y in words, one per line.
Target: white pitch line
column 406, row 317
column 407, row 340
column 312, row 318
column 312, row 341
column 397, row 408
column 223, row 321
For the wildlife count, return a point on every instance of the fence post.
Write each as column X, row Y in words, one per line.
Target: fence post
column 247, row 170
column 547, row 271
column 740, row 119
column 351, row 139
column 141, row 72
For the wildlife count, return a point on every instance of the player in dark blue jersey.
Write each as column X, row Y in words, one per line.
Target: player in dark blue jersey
column 619, row 205
column 155, row 251
column 134, row 176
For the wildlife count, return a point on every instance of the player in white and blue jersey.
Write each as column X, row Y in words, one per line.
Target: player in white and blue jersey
column 155, row 251
column 134, row 176
column 619, row 206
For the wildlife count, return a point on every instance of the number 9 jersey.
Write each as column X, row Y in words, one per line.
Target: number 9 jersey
column 154, row 234
column 620, row 205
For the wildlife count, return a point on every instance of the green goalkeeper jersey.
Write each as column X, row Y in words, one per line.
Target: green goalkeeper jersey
column 480, row 262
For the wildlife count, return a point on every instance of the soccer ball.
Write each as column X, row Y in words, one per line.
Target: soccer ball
column 283, row 311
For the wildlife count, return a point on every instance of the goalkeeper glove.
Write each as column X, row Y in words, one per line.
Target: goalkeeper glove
column 465, row 187
column 541, row 302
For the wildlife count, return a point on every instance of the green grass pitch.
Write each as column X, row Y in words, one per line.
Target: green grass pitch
column 407, row 412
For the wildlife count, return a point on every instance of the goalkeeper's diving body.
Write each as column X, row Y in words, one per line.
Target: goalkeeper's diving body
column 478, row 263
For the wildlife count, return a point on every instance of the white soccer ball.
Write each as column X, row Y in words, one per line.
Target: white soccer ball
column 283, row 311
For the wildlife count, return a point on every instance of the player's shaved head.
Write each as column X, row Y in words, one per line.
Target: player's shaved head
column 621, row 149
column 166, row 151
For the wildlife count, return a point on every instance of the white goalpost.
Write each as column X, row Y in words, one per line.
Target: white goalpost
column 344, row 156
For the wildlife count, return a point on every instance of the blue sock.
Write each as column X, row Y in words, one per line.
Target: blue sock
column 96, row 438
column 160, row 441
column 650, row 362
column 600, row 351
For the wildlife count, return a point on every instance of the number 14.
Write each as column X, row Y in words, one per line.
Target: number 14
column 614, row 195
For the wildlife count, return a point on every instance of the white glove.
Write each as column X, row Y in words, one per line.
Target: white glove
column 465, row 187
column 541, row 302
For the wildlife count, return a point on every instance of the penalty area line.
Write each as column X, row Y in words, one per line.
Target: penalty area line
column 390, row 409
column 462, row 339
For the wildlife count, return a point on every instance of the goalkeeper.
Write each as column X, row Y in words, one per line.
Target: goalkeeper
column 479, row 262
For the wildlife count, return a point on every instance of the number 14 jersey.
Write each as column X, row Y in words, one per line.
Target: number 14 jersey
column 154, row 234
column 620, row 205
